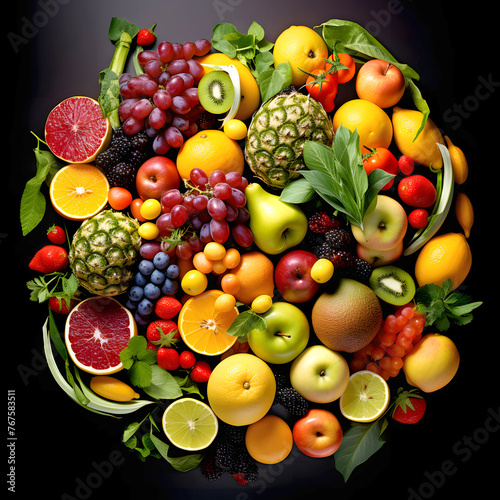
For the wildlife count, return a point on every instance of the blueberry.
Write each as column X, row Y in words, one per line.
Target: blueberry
column 140, row 279
column 157, row 277
column 161, row 260
column 146, row 267
column 152, row 291
column 170, row 287
column 131, row 304
column 140, row 319
column 136, row 293
column 172, row 271
column 145, row 307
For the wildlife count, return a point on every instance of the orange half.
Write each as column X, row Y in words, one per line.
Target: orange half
column 202, row 328
column 79, row 191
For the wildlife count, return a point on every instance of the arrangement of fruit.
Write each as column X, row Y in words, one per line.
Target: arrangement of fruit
column 231, row 238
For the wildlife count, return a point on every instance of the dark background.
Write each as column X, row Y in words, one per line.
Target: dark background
column 59, row 446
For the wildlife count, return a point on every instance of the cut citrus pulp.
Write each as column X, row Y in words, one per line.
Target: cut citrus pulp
column 76, row 131
column 365, row 398
column 79, row 191
column 190, row 424
column 203, row 328
column 97, row 329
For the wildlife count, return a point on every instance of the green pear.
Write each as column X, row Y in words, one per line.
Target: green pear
column 276, row 225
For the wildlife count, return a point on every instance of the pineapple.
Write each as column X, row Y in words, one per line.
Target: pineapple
column 277, row 133
column 104, row 249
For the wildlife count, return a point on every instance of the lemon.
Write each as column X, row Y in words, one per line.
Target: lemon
column 365, row 398
column 190, row 424
column 424, row 149
column 235, row 129
column 303, row 48
column 262, row 303
column 447, row 256
column 370, row 121
column 322, row 270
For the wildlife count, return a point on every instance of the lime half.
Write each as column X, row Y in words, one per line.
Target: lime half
column 365, row 398
column 190, row 424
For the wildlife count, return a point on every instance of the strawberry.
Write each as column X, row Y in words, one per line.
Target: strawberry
column 320, row 223
column 60, row 306
column 409, row 407
column 201, row 372
column 146, row 36
column 187, row 359
column 167, row 358
column 49, row 259
column 167, row 307
column 418, row 218
column 162, row 333
column 417, row 191
column 406, row 164
column 56, row 235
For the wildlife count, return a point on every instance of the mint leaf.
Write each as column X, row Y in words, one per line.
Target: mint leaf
column 141, row 374
column 162, row 384
column 359, row 443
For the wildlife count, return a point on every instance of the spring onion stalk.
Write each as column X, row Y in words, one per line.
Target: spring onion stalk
column 441, row 206
column 95, row 403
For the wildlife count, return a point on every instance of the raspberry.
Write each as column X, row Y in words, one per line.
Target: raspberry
column 321, row 222
column 342, row 258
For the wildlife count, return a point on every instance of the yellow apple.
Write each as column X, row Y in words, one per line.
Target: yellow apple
column 379, row 258
column 432, row 363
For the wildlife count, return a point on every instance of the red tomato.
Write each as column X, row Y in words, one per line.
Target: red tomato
column 382, row 158
column 343, row 75
column 119, row 198
column 323, row 88
column 135, row 208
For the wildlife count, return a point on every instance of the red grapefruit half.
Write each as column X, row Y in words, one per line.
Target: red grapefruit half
column 76, row 131
column 97, row 329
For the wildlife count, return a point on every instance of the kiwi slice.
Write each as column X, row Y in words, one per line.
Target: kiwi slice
column 392, row 284
column 216, row 92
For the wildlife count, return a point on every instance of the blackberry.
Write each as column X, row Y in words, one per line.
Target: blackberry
column 139, row 140
column 323, row 251
column 338, row 237
column 121, row 174
column 118, row 149
column 361, row 270
column 342, row 258
column 292, row 401
column 321, row 222
column 137, row 157
column 209, row 469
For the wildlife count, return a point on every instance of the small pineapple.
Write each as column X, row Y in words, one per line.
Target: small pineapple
column 277, row 133
column 104, row 249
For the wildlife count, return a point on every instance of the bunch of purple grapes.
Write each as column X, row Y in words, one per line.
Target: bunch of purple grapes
column 212, row 208
column 164, row 99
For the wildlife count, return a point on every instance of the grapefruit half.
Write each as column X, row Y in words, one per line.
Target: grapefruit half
column 76, row 131
column 97, row 329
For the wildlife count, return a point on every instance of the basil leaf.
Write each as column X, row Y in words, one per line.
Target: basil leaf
column 298, row 191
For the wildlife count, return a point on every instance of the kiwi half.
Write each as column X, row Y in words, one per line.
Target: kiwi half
column 216, row 92
column 392, row 285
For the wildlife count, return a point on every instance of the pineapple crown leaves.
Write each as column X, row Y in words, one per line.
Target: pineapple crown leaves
column 336, row 174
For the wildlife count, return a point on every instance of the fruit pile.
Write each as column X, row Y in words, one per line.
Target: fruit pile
column 291, row 257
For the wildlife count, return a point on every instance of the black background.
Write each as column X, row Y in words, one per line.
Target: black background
column 59, row 446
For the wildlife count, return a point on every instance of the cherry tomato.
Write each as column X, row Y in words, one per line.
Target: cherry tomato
column 135, row 208
column 323, row 88
column 119, row 198
column 342, row 75
column 382, row 158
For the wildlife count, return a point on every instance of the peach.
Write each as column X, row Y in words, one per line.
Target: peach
column 432, row 363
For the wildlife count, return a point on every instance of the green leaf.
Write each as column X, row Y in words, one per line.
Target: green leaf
column 141, row 374
column 219, row 40
column 298, row 191
column 245, row 322
column 182, row 463
column 163, row 384
column 274, row 80
column 359, row 443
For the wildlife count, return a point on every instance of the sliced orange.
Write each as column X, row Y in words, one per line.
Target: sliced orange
column 79, row 191
column 202, row 328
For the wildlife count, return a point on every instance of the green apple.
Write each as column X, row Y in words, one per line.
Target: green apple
column 319, row 374
column 276, row 225
column 384, row 227
column 379, row 258
column 284, row 338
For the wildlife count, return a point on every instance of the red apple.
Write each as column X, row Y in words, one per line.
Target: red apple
column 292, row 276
column 318, row 433
column 380, row 82
column 156, row 176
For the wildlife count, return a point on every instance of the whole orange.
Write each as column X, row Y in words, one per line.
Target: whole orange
column 255, row 274
column 209, row 150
